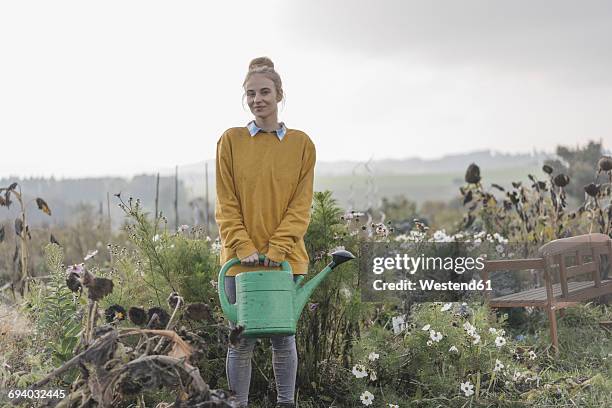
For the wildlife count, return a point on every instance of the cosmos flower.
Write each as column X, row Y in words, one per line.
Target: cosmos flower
column 500, row 341
column 467, row 388
column 435, row 336
column 366, row 398
column 373, row 356
column 453, row 348
column 359, row 371
column 498, row 365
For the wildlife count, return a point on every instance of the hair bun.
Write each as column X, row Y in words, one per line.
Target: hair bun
column 261, row 62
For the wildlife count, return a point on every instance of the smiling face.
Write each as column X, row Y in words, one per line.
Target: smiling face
column 261, row 96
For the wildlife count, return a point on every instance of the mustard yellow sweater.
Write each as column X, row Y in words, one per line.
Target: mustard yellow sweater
column 264, row 196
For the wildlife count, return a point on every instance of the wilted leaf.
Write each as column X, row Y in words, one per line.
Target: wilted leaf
column 12, row 187
column 469, row 221
column 2, row 233
column 42, row 205
column 18, row 226
column 468, row 197
column 497, row 186
column 54, row 240
column 2, row 202
column 234, row 336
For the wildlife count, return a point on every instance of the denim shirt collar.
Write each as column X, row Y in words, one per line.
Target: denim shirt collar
column 254, row 129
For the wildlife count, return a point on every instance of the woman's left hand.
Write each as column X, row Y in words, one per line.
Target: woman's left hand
column 269, row 262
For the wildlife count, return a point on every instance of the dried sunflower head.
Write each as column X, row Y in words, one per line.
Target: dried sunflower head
column 198, row 311
column 73, row 282
column 114, row 313
column 592, row 189
column 547, row 169
column 99, row 288
column 174, row 299
column 162, row 318
column 605, row 163
column 561, row 180
column 137, row 315
column 472, row 174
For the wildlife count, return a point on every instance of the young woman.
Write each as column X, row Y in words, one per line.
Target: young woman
column 265, row 175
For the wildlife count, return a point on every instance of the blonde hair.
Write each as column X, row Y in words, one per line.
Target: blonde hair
column 265, row 66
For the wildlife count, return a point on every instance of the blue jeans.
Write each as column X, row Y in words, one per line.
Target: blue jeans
column 238, row 362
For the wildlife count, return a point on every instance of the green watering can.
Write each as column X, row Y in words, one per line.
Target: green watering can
column 269, row 302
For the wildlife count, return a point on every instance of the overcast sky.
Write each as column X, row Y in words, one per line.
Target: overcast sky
column 122, row 87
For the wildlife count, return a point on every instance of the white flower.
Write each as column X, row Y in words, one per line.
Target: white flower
column 393, row 405
column 440, row 236
column 435, row 336
column 468, row 327
column 399, row 323
column 366, row 398
column 90, row 255
column 373, row 356
column 492, row 330
column 359, row 371
column 155, row 237
column 426, row 327
column 467, row 388
column 499, row 248
column 453, row 348
column 516, row 376
column 476, row 339
column 216, row 246
column 498, row 365
column 532, row 355
column 429, row 342
column 446, row 307
column 373, row 376
column 500, row 341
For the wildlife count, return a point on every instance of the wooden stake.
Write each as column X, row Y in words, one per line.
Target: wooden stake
column 157, row 197
column 176, row 216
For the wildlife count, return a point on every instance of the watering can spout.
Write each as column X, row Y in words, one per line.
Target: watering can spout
column 303, row 292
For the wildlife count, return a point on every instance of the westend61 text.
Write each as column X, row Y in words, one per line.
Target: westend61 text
column 429, row 285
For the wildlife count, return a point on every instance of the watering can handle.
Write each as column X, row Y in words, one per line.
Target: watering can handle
column 229, row 308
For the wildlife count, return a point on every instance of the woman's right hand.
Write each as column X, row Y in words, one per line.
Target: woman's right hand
column 251, row 260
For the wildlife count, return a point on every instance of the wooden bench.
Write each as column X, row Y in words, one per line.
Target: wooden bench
column 560, row 261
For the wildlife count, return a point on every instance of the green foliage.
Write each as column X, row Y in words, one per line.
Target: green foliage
column 165, row 262
column 55, row 310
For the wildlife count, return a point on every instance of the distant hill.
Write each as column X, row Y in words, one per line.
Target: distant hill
column 354, row 184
